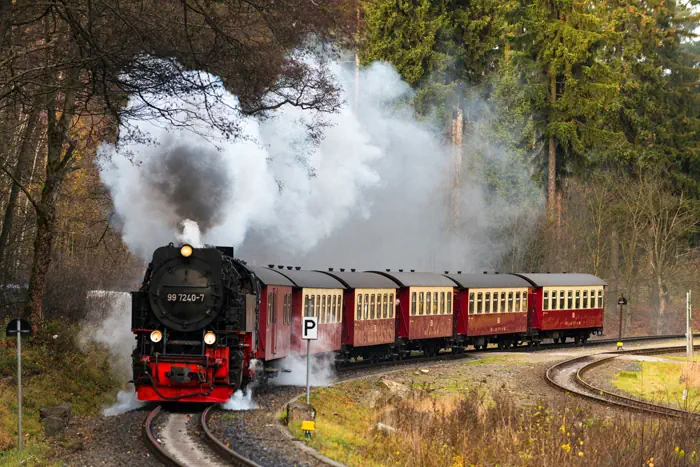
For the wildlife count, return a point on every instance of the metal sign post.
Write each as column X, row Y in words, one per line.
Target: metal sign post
column 16, row 328
column 621, row 301
column 309, row 332
column 688, row 327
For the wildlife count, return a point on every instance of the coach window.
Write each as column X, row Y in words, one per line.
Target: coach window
column 365, row 310
column 307, row 305
column 421, row 303
column 371, row 306
column 578, row 299
column 561, row 300
column 385, row 306
column 553, row 300
column 503, row 303
column 449, row 302
column 517, row 301
column 322, row 314
column 333, row 308
column 585, row 299
column 428, row 300
column 413, row 304
column 487, row 303
column 479, row 303
column 600, row 298
column 391, row 305
column 524, row 301
column 471, row 303
column 510, row 302
column 570, row 300
column 545, row 301
column 359, row 307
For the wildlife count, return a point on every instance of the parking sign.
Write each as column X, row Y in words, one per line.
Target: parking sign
column 309, row 328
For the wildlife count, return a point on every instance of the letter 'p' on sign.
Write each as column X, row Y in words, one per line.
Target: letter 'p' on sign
column 309, row 329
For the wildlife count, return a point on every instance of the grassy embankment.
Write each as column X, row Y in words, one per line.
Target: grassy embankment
column 455, row 422
column 664, row 382
column 54, row 370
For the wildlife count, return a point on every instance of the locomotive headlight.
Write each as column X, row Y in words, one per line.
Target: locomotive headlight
column 186, row 251
column 209, row 338
column 156, row 336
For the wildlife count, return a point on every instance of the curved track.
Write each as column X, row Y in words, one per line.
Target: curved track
column 568, row 376
column 227, row 455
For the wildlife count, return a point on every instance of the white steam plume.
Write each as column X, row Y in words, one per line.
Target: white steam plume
column 107, row 322
column 372, row 194
column 294, row 371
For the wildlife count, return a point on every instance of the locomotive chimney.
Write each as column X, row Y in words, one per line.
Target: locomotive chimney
column 298, row 268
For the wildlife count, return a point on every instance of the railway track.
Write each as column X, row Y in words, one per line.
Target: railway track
column 568, row 376
column 186, row 450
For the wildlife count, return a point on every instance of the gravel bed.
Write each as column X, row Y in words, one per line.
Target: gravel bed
column 113, row 441
column 254, row 433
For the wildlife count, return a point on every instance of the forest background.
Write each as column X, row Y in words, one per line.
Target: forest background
column 599, row 99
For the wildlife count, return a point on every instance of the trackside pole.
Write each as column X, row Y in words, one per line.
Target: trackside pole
column 688, row 328
column 308, row 371
column 19, row 391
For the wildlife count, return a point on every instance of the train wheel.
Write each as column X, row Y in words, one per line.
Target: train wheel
column 556, row 340
column 577, row 340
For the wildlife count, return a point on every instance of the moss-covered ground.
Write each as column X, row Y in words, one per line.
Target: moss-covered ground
column 54, row 370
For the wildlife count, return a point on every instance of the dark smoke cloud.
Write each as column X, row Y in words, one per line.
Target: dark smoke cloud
column 192, row 180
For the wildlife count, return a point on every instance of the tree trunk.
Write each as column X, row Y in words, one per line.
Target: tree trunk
column 552, row 163
column 8, row 219
column 660, row 325
column 43, row 243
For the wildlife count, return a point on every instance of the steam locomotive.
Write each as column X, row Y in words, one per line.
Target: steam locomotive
column 195, row 319
column 201, row 317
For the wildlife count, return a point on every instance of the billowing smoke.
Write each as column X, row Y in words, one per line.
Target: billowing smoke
column 377, row 190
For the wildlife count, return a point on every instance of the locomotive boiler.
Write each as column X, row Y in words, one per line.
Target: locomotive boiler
column 195, row 318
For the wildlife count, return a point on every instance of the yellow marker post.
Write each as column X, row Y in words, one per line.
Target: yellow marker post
column 619, row 346
column 308, row 426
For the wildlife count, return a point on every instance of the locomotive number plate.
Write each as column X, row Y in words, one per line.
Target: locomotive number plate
column 185, row 297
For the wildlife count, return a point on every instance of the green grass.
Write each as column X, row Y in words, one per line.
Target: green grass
column 661, row 382
column 342, row 425
column 53, row 371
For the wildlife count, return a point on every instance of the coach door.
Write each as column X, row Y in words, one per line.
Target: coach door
column 271, row 340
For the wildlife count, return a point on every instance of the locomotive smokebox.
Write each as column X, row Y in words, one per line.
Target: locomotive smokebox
column 185, row 290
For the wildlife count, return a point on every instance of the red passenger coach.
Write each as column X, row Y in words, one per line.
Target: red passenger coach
column 565, row 305
column 369, row 321
column 275, row 314
column 490, row 308
column 425, row 311
column 320, row 295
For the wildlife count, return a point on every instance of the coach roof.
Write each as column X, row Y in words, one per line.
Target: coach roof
column 417, row 279
column 562, row 280
column 312, row 279
column 362, row 280
column 270, row 276
column 484, row 281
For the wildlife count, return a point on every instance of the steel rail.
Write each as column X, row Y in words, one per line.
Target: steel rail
column 224, row 451
column 152, row 442
column 588, row 391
